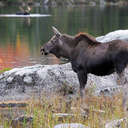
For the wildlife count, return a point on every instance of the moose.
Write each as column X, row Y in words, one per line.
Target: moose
column 88, row 55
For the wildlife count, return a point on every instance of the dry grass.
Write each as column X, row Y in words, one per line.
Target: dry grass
column 93, row 111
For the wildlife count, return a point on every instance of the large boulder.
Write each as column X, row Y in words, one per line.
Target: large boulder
column 22, row 83
column 119, row 34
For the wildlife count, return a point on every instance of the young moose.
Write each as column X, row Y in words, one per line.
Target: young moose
column 88, row 55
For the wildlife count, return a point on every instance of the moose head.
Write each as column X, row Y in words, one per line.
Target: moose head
column 59, row 45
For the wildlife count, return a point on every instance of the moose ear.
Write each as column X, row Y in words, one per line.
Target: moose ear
column 56, row 32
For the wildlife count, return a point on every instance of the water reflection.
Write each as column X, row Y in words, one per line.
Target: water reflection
column 21, row 38
column 11, row 56
column 19, row 55
column 27, row 21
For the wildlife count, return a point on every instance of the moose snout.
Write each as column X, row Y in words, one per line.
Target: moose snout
column 44, row 51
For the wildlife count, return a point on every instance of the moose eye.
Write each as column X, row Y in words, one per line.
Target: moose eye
column 53, row 42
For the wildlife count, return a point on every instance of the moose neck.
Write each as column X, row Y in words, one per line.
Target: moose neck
column 70, row 43
column 66, row 51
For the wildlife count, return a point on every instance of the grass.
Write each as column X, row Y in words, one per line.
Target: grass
column 87, row 112
column 5, row 69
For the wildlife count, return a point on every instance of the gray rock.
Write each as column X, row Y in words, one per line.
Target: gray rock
column 62, row 116
column 71, row 125
column 27, row 80
column 117, row 123
column 119, row 34
column 22, row 83
column 11, row 105
column 22, row 121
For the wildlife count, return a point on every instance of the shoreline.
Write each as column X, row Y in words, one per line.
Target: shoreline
column 63, row 3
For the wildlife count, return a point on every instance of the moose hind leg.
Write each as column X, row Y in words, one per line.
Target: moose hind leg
column 121, row 79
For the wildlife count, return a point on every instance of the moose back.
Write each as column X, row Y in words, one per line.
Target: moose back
column 88, row 55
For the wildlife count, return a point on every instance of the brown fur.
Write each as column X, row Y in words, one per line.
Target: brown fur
column 85, row 36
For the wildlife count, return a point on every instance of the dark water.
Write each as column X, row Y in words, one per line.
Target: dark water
column 21, row 38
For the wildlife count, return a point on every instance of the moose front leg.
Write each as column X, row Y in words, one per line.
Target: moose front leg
column 82, row 76
column 121, row 79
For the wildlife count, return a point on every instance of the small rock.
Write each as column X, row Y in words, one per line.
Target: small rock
column 64, row 115
column 9, row 80
column 117, row 123
column 22, row 121
column 10, row 105
column 71, row 125
column 27, row 79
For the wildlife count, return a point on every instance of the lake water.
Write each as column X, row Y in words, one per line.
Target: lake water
column 21, row 38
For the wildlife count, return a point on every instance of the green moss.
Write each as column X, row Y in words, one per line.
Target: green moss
column 5, row 69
